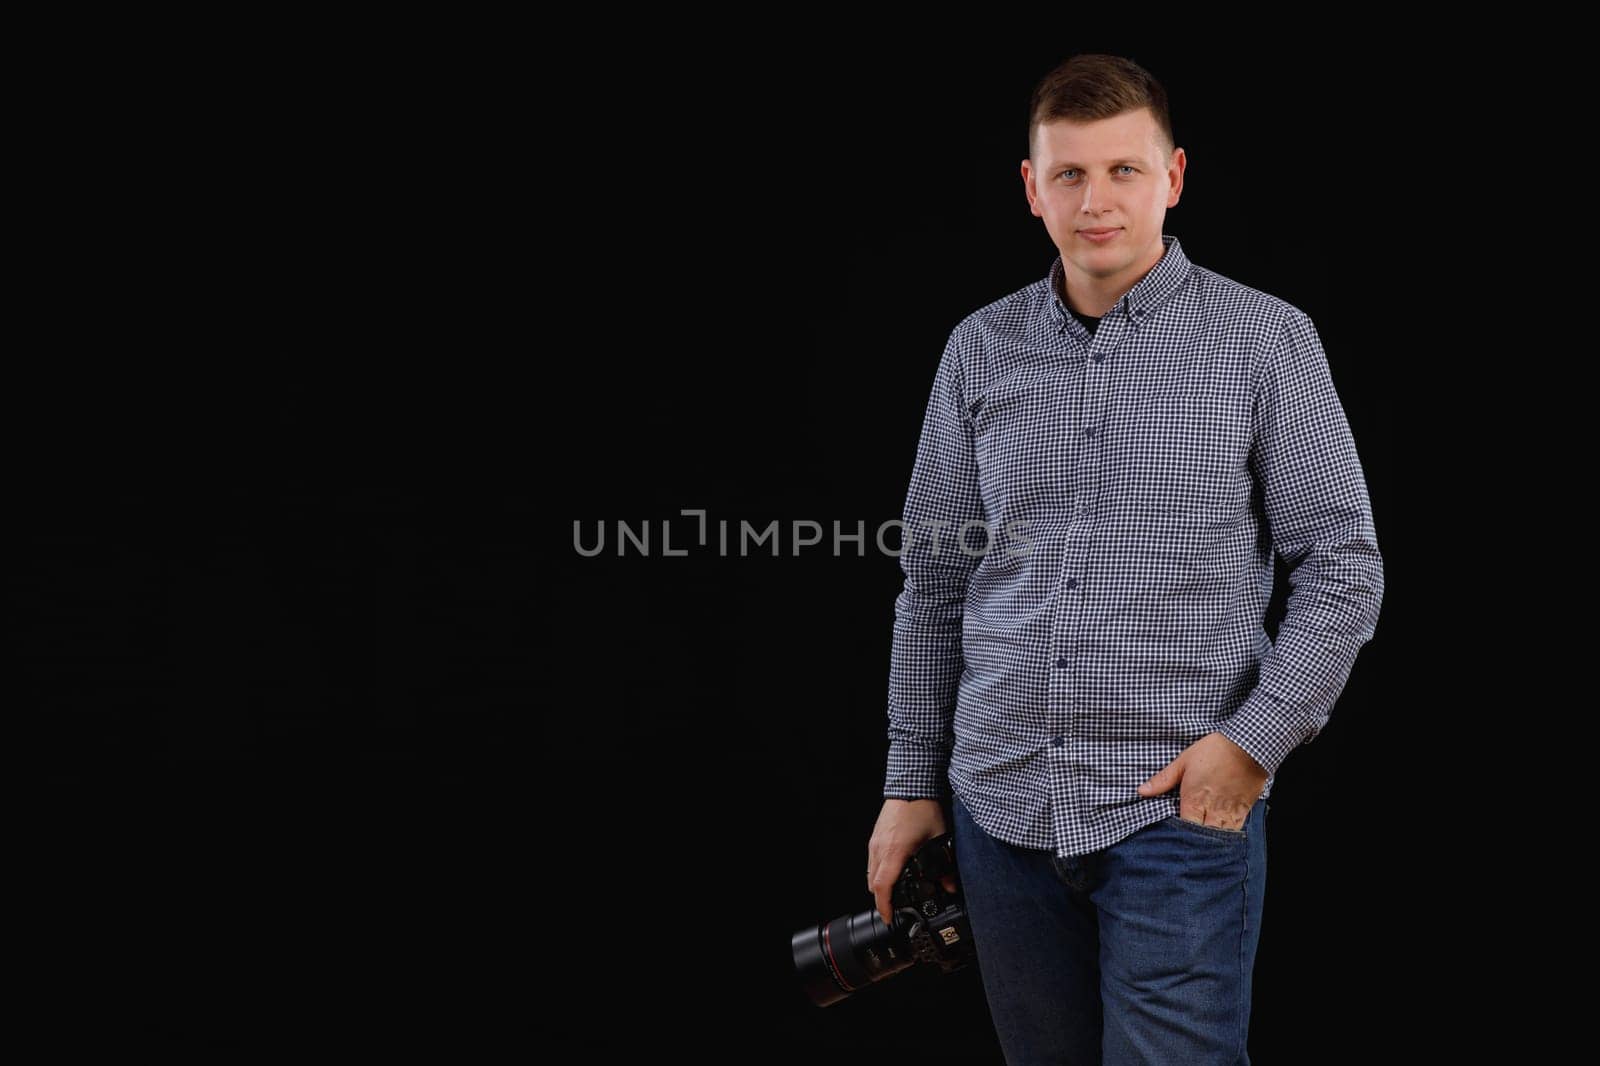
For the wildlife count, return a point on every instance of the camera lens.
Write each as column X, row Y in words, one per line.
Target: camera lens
column 845, row 955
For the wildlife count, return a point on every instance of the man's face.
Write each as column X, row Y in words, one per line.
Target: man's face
column 1104, row 175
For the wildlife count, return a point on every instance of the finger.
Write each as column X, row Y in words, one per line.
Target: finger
column 882, row 889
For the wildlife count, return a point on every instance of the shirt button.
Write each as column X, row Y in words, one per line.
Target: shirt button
column 1072, row 582
column 1062, row 662
column 1056, row 742
column 1098, row 356
column 1089, row 432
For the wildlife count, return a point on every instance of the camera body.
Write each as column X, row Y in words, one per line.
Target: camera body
column 935, row 924
column 838, row 958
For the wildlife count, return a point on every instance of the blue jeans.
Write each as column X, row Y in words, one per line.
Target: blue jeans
column 1141, row 952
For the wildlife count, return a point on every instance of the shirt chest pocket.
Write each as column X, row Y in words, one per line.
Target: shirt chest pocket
column 1184, row 451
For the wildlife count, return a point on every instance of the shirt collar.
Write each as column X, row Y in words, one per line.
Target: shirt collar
column 1139, row 302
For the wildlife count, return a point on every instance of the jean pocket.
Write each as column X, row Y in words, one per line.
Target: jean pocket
column 1214, row 831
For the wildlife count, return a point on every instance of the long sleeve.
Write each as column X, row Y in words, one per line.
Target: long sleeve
column 1314, row 495
column 926, row 659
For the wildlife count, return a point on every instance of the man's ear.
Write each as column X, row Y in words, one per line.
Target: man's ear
column 1028, row 189
column 1180, row 162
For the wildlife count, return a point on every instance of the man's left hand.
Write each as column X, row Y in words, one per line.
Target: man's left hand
column 1221, row 782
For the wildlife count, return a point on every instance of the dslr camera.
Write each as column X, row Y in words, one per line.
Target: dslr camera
column 842, row 956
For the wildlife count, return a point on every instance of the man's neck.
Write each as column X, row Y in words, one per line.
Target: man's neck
column 1101, row 298
column 1082, row 307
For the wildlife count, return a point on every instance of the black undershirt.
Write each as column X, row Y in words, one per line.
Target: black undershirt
column 1089, row 323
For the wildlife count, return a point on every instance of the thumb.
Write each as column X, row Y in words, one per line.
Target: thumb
column 1162, row 781
column 949, row 881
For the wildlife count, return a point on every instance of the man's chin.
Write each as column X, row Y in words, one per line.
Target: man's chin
column 1098, row 267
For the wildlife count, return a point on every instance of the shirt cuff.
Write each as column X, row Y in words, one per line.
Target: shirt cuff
column 916, row 771
column 1267, row 729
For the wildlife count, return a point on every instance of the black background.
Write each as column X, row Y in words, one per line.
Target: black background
column 340, row 740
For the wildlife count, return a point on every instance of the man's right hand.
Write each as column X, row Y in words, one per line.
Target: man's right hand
column 903, row 827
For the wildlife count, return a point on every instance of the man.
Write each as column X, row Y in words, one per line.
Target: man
column 1090, row 684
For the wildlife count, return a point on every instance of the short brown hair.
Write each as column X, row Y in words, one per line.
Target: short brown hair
column 1091, row 86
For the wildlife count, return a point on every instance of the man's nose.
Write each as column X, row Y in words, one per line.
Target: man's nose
column 1091, row 197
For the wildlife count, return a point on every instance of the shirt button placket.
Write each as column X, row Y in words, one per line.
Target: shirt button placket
column 1063, row 663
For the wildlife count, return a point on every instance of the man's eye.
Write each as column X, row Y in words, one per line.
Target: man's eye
column 1124, row 166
